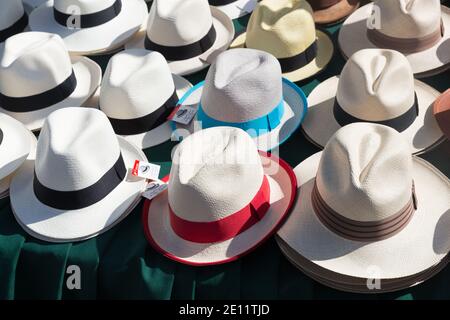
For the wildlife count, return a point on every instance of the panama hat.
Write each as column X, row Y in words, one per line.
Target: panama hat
column 365, row 202
column 138, row 93
column 80, row 184
column 234, row 8
column 90, row 27
column 286, row 29
column 419, row 29
column 375, row 85
column 441, row 112
column 332, row 11
column 17, row 144
column 244, row 89
column 188, row 33
column 13, row 18
column 223, row 199
column 37, row 77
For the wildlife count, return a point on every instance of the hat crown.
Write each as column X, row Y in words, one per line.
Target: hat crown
column 365, row 172
column 242, row 85
column 284, row 28
column 32, row 63
column 215, row 173
column 376, row 85
column 82, row 6
column 136, row 83
column 408, row 18
column 10, row 12
column 76, row 147
column 178, row 22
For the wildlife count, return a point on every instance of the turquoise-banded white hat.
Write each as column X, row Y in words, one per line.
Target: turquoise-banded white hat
column 244, row 89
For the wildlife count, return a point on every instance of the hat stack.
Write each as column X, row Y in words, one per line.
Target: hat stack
column 286, row 29
column 419, row 29
column 223, row 200
column 244, row 88
column 365, row 207
column 188, row 33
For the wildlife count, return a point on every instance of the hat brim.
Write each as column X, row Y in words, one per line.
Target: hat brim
column 353, row 284
column 163, row 132
column 325, row 52
column 423, row 134
column 353, row 37
column 161, row 236
column 336, row 12
column 53, row 225
column 423, row 243
column 88, row 75
column 224, row 35
column 294, row 112
column 238, row 8
column 103, row 38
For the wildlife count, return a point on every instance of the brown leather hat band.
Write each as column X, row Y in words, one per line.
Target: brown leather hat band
column 359, row 230
column 405, row 45
column 322, row 4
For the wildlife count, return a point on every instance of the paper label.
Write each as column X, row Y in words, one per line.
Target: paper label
column 153, row 189
column 146, row 170
column 183, row 114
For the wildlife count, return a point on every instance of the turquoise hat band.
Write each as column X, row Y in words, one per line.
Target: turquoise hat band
column 253, row 127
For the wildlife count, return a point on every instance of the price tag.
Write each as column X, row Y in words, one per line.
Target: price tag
column 183, row 114
column 153, row 189
column 146, row 170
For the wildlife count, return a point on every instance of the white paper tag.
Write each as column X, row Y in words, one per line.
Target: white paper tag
column 153, row 189
column 183, row 114
column 146, row 170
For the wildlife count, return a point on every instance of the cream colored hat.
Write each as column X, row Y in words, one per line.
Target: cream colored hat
column 365, row 203
column 419, row 29
column 138, row 94
column 223, row 200
column 376, row 85
column 244, row 89
column 188, row 33
column 17, row 144
column 286, row 29
column 13, row 18
column 37, row 77
column 80, row 184
column 234, row 8
column 90, row 27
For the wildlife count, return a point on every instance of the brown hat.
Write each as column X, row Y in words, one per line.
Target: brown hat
column 441, row 112
column 331, row 11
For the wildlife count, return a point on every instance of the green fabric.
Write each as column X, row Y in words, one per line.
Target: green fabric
column 119, row 264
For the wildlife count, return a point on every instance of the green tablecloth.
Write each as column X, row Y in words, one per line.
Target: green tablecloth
column 120, row 263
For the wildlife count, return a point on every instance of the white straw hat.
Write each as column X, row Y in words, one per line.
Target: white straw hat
column 13, row 18
column 244, row 89
column 365, row 202
column 234, row 8
column 376, row 85
column 80, row 184
column 37, row 77
column 17, row 144
column 90, row 27
column 420, row 29
column 224, row 199
column 188, row 33
column 286, row 29
column 138, row 94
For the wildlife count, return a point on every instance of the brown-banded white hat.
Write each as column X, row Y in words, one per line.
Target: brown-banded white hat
column 17, row 144
column 419, row 29
column 80, row 183
column 90, row 27
column 286, row 29
column 366, row 203
column 13, row 18
column 224, row 198
column 138, row 94
column 188, row 33
column 234, row 8
column 378, row 86
column 38, row 76
column 332, row 11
